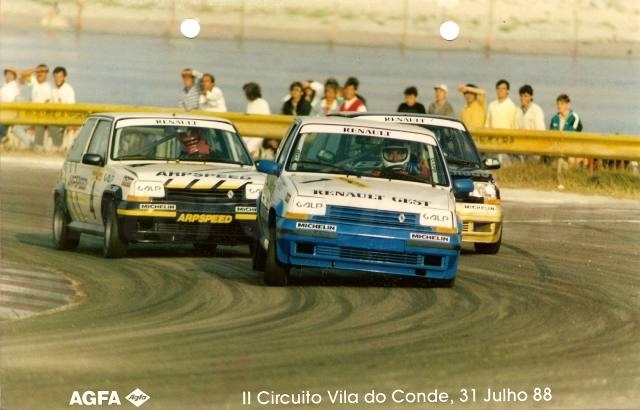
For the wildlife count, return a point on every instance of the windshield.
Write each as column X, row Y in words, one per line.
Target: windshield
column 377, row 157
column 457, row 146
column 164, row 142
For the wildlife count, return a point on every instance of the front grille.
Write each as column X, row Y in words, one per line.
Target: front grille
column 371, row 216
column 203, row 196
column 376, row 256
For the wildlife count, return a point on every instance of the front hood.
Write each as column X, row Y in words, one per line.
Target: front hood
column 373, row 193
column 180, row 174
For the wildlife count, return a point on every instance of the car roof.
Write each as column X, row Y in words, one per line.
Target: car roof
column 346, row 121
column 181, row 115
column 407, row 118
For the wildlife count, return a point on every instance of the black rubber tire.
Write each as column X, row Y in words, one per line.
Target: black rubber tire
column 275, row 273
column 114, row 245
column 63, row 237
column 258, row 257
column 488, row 248
column 206, row 249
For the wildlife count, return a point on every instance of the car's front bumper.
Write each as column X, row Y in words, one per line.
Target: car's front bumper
column 368, row 248
column 223, row 224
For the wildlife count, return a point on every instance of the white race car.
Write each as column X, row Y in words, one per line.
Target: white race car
column 358, row 195
column 136, row 177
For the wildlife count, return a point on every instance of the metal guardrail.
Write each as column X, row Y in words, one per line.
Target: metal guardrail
column 549, row 143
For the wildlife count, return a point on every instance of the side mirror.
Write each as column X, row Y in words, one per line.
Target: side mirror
column 491, row 163
column 462, row 186
column 93, row 159
column 268, row 167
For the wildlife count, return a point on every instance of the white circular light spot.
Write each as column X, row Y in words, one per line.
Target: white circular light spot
column 449, row 30
column 190, row 28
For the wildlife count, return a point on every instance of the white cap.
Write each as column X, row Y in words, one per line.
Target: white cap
column 441, row 86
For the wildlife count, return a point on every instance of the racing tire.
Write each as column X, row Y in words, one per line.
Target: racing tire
column 258, row 257
column 275, row 273
column 488, row 248
column 444, row 283
column 114, row 245
column 63, row 237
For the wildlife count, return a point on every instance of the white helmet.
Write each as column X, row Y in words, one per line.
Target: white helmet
column 395, row 153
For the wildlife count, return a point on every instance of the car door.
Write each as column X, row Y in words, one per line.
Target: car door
column 90, row 174
column 72, row 177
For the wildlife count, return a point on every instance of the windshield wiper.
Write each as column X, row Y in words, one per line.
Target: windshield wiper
column 462, row 162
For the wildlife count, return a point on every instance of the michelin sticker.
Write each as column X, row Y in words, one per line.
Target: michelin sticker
column 316, row 226
column 158, row 207
column 479, row 207
column 430, row 237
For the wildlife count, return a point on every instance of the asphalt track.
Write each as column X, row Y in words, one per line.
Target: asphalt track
column 557, row 309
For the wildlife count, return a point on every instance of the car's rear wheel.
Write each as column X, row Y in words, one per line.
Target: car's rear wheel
column 258, row 257
column 63, row 237
column 489, row 248
column 275, row 273
column 114, row 244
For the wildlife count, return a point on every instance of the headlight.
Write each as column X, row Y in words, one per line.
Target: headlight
column 252, row 191
column 484, row 190
column 142, row 191
column 301, row 207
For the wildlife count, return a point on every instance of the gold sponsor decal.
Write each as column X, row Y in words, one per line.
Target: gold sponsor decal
column 205, row 218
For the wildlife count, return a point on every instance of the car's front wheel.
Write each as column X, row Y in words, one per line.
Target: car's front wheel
column 258, row 257
column 275, row 273
column 63, row 237
column 114, row 245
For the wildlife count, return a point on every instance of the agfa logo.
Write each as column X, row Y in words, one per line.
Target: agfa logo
column 106, row 397
column 91, row 398
column 137, row 397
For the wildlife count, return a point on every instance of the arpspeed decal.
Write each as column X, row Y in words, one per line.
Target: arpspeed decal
column 205, row 218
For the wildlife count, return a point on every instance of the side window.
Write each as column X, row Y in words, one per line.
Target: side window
column 100, row 140
column 281, row 153
column 75, row 153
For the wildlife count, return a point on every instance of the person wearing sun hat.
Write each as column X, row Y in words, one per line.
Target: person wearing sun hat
column 441, row 106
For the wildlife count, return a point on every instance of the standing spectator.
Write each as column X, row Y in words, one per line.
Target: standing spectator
column 267, row 150
column 255, row 105
column 441, row 106
column 40, row 93
column 296, row 104
column 329, row 104
column 313, row 92
column 61, row 93
column 8, row 93
column 565, row 120
column 24, row 133
column 211, row 97
column 530, row 115
column 352, row 101
column 190, row 97
column 502, row 111
column 411, row 104
column 473, row 114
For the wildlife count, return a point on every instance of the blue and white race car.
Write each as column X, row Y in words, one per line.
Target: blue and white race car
column 358, row 195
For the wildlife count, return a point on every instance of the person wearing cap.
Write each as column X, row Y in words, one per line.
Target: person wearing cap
column 473, row 113
column 40, row 93
column 441, row 106
column 8, row 93
column 411, row 104
column 191, row 90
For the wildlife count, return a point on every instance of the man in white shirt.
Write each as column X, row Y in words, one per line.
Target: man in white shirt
column 212, row 98
column 501, row 112
column 8, row 93
column 61, row 93
column 529, row 116
column 40, row 93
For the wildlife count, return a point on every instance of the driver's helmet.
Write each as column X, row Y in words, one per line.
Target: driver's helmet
column 190, row 139
column 395, row 153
